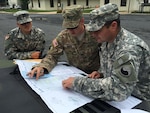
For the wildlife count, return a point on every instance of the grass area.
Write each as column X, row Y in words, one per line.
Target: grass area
column 9, row 10
column 42, row 10
column 87, row 10
column 145, row 12
column 14, row 10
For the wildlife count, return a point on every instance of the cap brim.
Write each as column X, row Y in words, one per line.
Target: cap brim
column 94, row 26
column 70, row 24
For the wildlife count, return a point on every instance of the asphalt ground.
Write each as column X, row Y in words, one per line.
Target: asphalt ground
column 138, row 24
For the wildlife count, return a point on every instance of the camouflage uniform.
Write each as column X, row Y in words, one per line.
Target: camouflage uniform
column 125, row 64
column 82, row 54
column 21, row 46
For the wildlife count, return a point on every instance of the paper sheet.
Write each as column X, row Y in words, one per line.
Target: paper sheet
column 58, row 99
column 50, row 88
column 133, row 111
column 129, row 103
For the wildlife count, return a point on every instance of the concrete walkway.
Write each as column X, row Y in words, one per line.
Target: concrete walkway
column 52, row 12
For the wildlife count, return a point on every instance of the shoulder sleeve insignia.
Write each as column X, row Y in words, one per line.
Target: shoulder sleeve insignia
column 125, row 70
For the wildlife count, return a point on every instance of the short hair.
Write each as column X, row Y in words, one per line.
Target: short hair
column 108, row 23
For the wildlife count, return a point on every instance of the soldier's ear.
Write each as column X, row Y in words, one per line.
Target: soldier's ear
column 82, row 20
column 114, row 24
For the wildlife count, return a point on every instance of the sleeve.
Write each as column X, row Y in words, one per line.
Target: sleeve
column 40, row 46
column 11, row 50
column 51, row 58
column 116, row 87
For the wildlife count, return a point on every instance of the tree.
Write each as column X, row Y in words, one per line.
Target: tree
column 24, row 4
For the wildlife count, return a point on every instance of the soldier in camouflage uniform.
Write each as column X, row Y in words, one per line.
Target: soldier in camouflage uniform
column 24, row 41
column 79, row 46
column 124, row 60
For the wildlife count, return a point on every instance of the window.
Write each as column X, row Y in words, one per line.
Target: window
column 106, row 1
column 87, row 2
column 74, row 2
column 68, row 2
column 51, row 3
column 123, row 3
column 145, row 1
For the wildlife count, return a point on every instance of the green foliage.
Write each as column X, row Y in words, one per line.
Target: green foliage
column 25, row 1
column 87, row 10
column 24, row 4
column 14, row 10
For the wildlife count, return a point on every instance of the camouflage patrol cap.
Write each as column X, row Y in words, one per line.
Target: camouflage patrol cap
column 71, row 16
column 22, row 17
column 101, row 15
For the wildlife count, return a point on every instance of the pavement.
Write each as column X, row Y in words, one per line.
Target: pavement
column 51, row 23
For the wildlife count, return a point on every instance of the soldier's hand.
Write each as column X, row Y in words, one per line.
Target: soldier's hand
column 68, row 82
column 94, row 74
column 37, row 72
column 36, row 55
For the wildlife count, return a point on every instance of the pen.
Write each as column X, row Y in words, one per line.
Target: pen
column 83, row 74
column 66, row 64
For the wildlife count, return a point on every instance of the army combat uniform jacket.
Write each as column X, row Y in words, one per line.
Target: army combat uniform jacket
column 125, row 65
column 20, row 46
column 82, row 54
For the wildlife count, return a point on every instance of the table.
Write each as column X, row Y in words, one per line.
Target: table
column 6, row 63
column 17, row 97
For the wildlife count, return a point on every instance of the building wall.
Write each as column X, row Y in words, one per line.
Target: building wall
column 131, row 5
column 45, row 4
column 48, row 5
column 13, row 2
column 37, row 5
